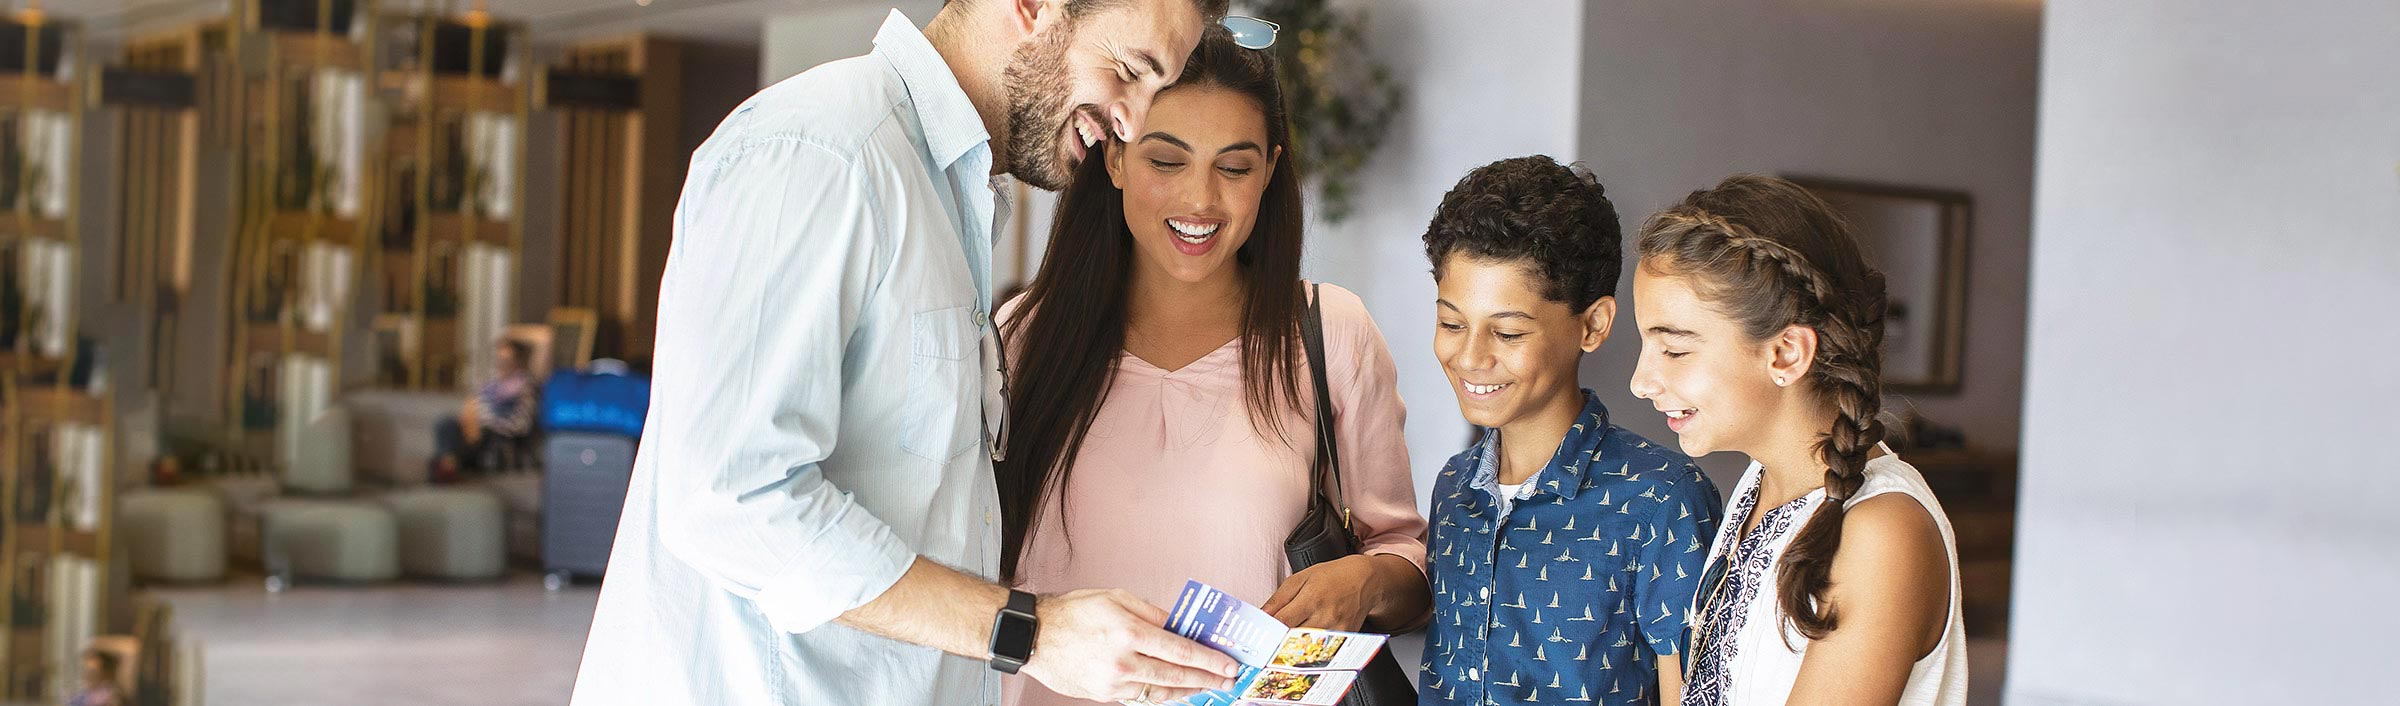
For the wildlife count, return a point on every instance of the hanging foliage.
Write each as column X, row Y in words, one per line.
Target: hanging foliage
column 1340, row 99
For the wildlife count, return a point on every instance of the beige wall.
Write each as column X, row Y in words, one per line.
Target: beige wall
column 2206, row 515
column 1935, row 94
column 792, row 41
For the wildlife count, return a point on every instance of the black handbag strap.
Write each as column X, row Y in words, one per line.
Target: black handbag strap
column 1383, row 682
column 1329, row 458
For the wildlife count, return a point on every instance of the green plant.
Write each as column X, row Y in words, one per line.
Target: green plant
column 1340, row 99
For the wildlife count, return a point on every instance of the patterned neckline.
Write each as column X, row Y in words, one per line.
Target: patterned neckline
column 1747, row 542
column 1747, row 564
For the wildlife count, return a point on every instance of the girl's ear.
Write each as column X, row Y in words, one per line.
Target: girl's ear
column 1597, row 320
column 1791, row 354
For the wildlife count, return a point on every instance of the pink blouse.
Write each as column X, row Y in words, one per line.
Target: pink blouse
column 1174, row 482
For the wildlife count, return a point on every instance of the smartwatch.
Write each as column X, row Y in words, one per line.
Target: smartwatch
column 1013, row 629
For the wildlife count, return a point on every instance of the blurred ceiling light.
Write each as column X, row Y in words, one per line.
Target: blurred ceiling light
column 32, row 14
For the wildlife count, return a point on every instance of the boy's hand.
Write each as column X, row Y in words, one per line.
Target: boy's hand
column 1335, row 595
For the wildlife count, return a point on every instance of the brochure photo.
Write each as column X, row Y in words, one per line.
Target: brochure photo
column 1276, row 686
column 1280, row 664
column 1310, row 648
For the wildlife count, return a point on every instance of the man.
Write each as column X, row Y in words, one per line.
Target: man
column 813, row 518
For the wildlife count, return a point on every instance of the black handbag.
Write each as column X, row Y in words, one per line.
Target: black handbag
column 1324, row 532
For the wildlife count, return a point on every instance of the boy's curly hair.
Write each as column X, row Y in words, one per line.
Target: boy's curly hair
column 1553, row 216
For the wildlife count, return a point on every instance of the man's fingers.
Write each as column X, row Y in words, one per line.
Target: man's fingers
column 1171, row 648
column 1172, row 681
column 1153, row 615
column 1173, row 697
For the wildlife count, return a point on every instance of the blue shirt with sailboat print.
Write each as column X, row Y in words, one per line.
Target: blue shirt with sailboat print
column 1567, row 591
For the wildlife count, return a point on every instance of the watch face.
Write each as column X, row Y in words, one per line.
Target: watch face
column 1013, row 637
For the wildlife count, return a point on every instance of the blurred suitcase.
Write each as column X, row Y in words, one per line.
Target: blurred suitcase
column 584, row 477
column 595, row 402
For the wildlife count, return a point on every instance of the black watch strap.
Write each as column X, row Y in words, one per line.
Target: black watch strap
column 1013, row 631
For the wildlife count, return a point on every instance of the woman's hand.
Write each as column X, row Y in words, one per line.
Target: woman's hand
column 1345, row 593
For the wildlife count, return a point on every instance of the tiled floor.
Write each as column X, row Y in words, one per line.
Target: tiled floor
column 504, row 644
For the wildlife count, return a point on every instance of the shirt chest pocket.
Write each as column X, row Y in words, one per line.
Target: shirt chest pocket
column 943, row 384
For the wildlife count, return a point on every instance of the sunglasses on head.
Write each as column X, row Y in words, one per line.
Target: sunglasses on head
column 1251, row 32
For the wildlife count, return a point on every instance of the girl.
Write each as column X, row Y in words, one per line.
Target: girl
column 1834, row 578
column 1159, row 431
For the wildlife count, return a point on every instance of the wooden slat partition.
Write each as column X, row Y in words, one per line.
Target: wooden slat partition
column 156, row 170
column 428, row 246
column 622, row 174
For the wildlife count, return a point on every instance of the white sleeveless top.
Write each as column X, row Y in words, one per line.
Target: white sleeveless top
column 1754, row 656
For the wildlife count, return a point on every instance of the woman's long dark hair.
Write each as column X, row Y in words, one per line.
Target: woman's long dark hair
column 1071, row 319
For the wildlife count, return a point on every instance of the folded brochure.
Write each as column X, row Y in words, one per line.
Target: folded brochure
column 1280, row 664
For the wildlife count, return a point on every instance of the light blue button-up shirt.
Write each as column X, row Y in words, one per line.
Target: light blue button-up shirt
column 816, row 413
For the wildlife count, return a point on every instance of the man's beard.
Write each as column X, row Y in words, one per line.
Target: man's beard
column 1035, row 84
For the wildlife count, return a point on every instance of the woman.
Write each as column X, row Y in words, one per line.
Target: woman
column 1834, row 577
column 1158, row 426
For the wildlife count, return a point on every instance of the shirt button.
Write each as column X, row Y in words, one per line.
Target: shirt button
column 1473, row 675
column 1487, row 593
column 983, row 318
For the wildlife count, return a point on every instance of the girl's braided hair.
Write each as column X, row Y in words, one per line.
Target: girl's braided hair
column 1772, row 255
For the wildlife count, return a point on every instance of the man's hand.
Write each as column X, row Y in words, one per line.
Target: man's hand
column 1110, row 646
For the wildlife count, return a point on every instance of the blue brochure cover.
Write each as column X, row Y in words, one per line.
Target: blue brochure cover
column 1280, row 664
column 1213, row 618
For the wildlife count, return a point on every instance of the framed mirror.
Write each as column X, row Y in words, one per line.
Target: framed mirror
column 1918, row 238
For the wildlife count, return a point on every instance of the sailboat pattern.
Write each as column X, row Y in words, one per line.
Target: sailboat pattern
column 1568, row 590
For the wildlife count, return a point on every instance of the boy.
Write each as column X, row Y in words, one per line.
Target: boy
column 1565, row 549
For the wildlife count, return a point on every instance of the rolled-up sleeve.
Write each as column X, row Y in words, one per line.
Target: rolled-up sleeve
column 778, row 247
column 1370, row 430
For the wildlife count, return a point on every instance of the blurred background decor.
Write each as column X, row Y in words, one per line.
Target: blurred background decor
column 1342, row 99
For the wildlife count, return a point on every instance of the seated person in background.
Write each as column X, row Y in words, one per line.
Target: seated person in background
column 502, row 407
column 99, row 686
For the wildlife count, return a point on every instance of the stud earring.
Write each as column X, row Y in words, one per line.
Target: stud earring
column 1779, row 381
